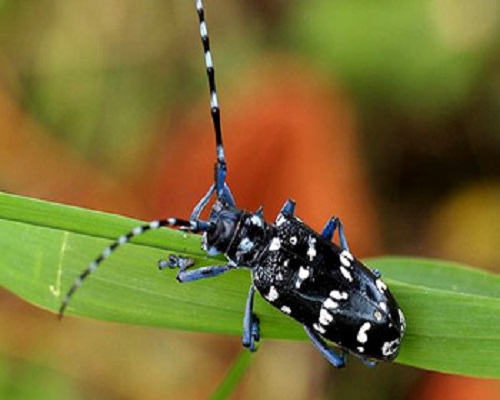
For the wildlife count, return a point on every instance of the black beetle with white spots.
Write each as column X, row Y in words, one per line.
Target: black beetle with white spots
column 300, row 272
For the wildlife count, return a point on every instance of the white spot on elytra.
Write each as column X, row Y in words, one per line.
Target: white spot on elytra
column 311, row 252
column 381, row 286
column 402, row 320
column 275, row 244
column 272, row 295
column 325, row 318
column 335, row 294
column 389, row 348
column 346, row 258
column 279, row 276
column 303, row 275
column 383, row 306
column 319, row 328
column 293, row 240
column 361, row 349
column 330, row 304
column 378, row 315
column 362, row 336
column 346, row 273
column 286, row 310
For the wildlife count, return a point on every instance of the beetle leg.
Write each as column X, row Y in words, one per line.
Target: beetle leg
column 184, row 263
column 195, row 214
column 251, row 329
column 329, row 230
column 333, row 358
column 228, row 196
column 288, row 208
column 175, row 261
column 202, row 273
column 223, row 192
column 368, row 363
column 197, row 210
column 376, row 272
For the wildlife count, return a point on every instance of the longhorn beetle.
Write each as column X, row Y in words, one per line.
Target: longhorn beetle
column 300, row 272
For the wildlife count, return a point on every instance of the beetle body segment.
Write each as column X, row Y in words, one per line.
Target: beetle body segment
column 312, row 280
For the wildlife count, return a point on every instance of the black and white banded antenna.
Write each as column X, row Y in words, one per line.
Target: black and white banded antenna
column 191, row 226
column 214, row 102
column 194, row 225
column 221, row 166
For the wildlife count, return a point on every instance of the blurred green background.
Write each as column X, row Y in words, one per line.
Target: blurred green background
column 104, row 104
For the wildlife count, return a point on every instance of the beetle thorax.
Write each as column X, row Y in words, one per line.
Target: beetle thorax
column 240, row 235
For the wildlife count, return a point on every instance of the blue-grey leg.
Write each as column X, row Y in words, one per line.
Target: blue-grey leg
column 220, row 178
column 251, row 330
column 202, row 273
column 228, row 196
column 184, row 263
column 222, row 189
column 195, row 214
column 197, row 210
column 175, row 261
column 337, row 360
column 369, row 363
column 329, row 230
column 288, row 208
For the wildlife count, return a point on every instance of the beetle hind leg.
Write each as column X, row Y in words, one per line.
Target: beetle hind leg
column 337, row 360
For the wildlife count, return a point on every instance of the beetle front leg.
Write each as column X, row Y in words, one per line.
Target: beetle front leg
column 183, row 263
column 251, row 328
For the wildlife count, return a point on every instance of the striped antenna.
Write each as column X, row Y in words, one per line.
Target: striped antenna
column 192, row 226
column 214, row 102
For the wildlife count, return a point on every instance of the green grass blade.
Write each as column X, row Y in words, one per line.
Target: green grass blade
column 233, row 376
column 453, row 311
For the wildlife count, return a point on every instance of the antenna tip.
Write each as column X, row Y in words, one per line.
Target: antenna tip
column 60, row 314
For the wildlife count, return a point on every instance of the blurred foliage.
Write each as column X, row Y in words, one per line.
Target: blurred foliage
column 420, row 56
column 24, row 380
